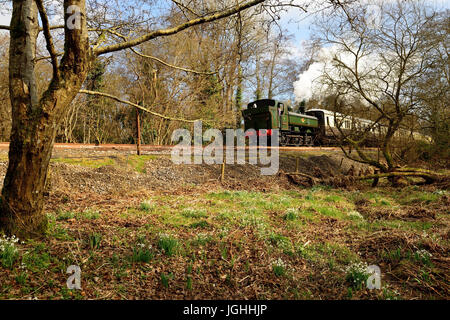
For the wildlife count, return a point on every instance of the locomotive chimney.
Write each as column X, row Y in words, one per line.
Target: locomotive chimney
column 302, row 107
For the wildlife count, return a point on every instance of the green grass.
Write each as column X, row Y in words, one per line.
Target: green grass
column 263, row 211
column 419, row 197
column 194, row 213
column 202, row 239
column 139, row 162
column 9, row 253
column 165, row 279
column 61, row 215
column 84, row 162
column 58, row 231
column 64, row 215
column 136, row 162
column 333, row 198
column 279, row 268
column 141, row 254
column 168, row 244
column 37, row 260
column 147, row 206
column 228, row 235
column 189, row 283
column 291, row 214
column 22, row 278
column 279, row 240
column 95, row 240
column 326, row 253
column 200, row 225
column 329, row 211
column 405, row 225
column 393, row 255
column 88, row 215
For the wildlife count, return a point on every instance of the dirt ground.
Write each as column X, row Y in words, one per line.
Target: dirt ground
column 116, row 174
column 119, row 217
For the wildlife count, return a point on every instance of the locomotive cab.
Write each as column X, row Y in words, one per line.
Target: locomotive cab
column 295, row 128
column 259, row 115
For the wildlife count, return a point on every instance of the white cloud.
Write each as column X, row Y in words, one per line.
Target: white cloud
column 309, row 84
column 5, row 19
column 313, row 82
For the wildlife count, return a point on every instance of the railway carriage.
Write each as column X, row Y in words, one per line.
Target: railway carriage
column 329, row 122
column 314, row 127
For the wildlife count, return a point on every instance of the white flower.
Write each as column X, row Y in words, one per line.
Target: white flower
column 359, row 267
column 424, row 254
column 279, row 263
column 8, row 243
column 163, row 236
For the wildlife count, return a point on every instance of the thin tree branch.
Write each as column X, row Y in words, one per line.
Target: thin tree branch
column 182, row 6
column 106, row 95
column 157, row 59
column 48, row 38
column 174, row 30
column 171, row 65
column 55, row 27
column 3, row 27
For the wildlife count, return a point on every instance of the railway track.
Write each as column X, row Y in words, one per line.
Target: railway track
column 150, row 148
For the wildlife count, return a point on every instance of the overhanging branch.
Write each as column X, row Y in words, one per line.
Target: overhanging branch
column 174, row 30
column 3, row 27
column 106, row 95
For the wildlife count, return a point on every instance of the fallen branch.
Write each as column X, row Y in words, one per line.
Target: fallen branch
column 428, row 177
column 301, row 174
column 348, row 180
column 292, row 178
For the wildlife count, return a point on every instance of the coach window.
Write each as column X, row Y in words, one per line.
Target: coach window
column 328, row 121
column 347, row 124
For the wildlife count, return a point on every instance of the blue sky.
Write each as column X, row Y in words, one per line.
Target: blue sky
column 297, row 23
column 298, row 29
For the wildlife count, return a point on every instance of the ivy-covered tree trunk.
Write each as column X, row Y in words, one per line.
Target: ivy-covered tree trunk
column 36, row 119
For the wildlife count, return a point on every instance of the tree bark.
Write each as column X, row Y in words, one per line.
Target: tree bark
column 138, row 132
column 35, row 121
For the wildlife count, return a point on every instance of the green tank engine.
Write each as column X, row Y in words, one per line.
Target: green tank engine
column 296, row 128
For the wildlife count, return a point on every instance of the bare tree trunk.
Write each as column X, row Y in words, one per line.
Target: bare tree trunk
column 138, row 132
column 272, row 72
column 35, row 121
column 258, row 80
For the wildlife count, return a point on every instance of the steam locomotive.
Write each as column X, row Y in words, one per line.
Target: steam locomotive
column 315, row 127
